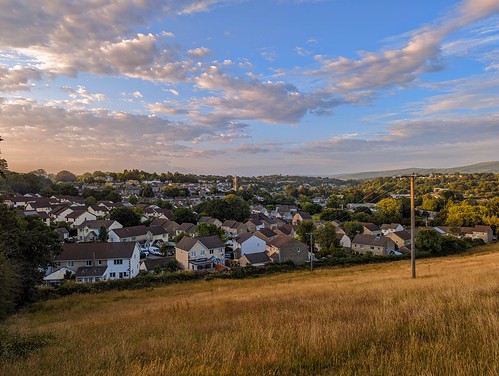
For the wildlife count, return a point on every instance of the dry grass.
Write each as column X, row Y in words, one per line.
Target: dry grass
column 370, row 320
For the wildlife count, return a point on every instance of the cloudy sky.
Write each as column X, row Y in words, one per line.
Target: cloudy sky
column 249, row 87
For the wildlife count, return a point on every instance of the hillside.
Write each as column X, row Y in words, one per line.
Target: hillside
column 369, row 320
column 484, row 167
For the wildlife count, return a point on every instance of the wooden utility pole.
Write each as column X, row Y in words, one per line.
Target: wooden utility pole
column 413, row 230
column 311, row 251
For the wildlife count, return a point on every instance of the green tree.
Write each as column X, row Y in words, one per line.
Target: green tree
column 66, row 189
column 147, row 191
column 208, row 229
column 391, row 208
column 429, row 240
column 133, row 200
column 325, row 235
column 65, row 176
column 125, row 216
column 184, row 215
column 103, row 236
column 330, row 214
column 305, row 231
column 90, row 200
column 352, row 228
column 29, row 246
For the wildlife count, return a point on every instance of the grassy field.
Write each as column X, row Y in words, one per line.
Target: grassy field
column 368, row 320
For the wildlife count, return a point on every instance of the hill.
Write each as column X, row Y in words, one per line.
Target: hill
column 369, row 320
column 484, row 167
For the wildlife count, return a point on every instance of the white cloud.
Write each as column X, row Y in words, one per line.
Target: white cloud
column 198, row 52
column 17, row 78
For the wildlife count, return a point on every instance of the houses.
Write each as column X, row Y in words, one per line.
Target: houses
column 375, row 244
column 484, row 233
column 301, row 217
column 283, row 248
column 248, row 243
column 94, row 262
column 371, row 229
column 392, row 227
column 128, row 234
column 401, row 238
column 233, row 228
column 255, row 259
column 77, row 217
column 200, row 253
column 90, row 230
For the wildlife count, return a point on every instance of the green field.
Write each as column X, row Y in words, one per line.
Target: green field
column 366, row 320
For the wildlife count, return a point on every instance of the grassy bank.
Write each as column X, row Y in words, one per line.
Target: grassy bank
column 371, row 319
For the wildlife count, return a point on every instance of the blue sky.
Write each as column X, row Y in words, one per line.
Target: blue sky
column 248, row 87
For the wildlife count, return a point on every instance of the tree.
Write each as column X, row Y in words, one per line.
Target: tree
column 103, row 236
column 429, row 240
column 208, row 229
column 304, row 231
column 330, row 214
column 125, row 216
column 3, row 163
column 27, row 248
column 184, row 215
column 391, row 208
column 325, row 236
column 67, row 189
column 147, row 191
column 133, row 200
column 352, row 228
column 65, row 176
column 90, row 200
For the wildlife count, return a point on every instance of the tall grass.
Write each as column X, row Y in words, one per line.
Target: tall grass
column 367, row 320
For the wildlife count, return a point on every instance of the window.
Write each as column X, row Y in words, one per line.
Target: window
column 211, row 251
column 121, row 274
column 133, row 238
column 88, row 263
column 100, row 262
column 193, row 254
column 118, row 262
column 112, row 275
column 202, row 253
column 71, row 263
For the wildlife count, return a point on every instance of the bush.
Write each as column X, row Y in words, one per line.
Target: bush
column 14, row 345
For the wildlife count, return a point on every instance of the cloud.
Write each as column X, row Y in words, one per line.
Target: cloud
column 421, row 54
column 198, row 52
column 17, row 78
column 83, row 95
column 244, row 99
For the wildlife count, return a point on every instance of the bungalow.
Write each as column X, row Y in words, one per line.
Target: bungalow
column 284, row 248
column 255, row 259
column 248, row 243
column 200, row 253
column 376, row 244
column 94, row 262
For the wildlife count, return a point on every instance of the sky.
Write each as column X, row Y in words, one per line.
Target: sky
column 250, row 88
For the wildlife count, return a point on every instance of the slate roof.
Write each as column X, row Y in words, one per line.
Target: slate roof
column 374, row 240
column 127, row 232
column 97, row 223
column 210, row 242
column 243, row 237
column 89, row 251
column 257, row 258
column 91, row 271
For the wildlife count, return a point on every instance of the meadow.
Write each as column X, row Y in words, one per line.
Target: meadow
column 364, row 320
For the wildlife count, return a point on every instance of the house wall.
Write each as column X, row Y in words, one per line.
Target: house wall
column 253, row 245
column 82, row 218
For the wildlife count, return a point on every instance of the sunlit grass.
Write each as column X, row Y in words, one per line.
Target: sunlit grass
column 368, row 320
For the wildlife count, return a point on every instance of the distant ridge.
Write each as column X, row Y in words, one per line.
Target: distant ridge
column 482, row 167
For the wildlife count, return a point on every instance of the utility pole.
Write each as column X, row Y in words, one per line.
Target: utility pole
column 413, row 229
column 311, row 251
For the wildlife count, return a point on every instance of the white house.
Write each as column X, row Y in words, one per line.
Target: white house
column 247, row 243
column 77, row 217
column 94, row 262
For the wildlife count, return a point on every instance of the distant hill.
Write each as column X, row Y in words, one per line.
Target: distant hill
column 482, row 167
